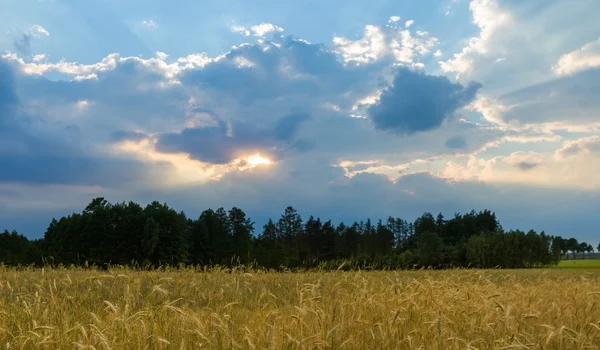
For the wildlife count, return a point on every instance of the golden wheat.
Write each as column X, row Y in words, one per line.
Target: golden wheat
column 222, row 309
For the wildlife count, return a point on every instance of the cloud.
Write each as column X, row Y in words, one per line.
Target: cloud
column 419, row 102
column 586, row 57
column 574, row 166
column 39, row 167
column 524, row 161
column 155, row 65
column 389, row 42
column 265, row 28
column 456, row 142
column 38, row 30
column 576, row 147
column 39, row 58
column 489, row 17
column 526, row 165
column 71, row 68
column 281, row 71
column 448, row 7
column 8, row 96
column 259, row 30
column 157, row 103
column 491, row 109
column 123, row 135
column 23, row 44
column 31, row 155
column 306, row 77
column 240, row 29
column 223, row 143
column 569, row 99
column 286, row 127
column 208, row 144
column 196, row 120
column 518, row 42
column 150, row 23
column 370, row 48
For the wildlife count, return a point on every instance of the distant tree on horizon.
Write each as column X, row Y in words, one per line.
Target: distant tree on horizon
column 155, row 235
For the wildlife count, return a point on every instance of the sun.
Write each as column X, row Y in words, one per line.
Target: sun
column 256, row 160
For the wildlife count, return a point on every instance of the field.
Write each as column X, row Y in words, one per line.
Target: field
column 126, row 309
column 579, row 264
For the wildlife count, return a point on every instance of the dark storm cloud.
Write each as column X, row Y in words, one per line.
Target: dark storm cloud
column 419, row 102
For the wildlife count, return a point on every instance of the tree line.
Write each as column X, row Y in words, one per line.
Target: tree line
column 158, row 235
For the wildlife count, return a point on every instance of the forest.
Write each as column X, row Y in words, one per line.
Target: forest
column 105, row 234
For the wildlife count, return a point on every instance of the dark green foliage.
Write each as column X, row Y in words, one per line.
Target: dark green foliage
column 430, row 248
column 241, row 229
column 290, row 232
column 14, row 248
column 268, row 247
column 105, row 233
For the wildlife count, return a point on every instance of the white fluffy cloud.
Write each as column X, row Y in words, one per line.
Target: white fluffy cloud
column 265, row 28
column 259, row 30
column 37, row 30
column 573, row 166
column 519, row 43
column 387, row 42
column 588, row 56
column 81, row 71
column 580, row 147
column 489, row 17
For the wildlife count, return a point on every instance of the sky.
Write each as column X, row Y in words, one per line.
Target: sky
column 345, row 110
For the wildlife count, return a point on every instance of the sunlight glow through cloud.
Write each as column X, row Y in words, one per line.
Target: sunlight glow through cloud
column 256, row 160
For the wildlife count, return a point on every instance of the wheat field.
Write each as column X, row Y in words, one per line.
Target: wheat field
column 74, row 308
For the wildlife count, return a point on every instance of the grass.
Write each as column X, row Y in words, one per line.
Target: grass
column 459, row 309
column 579, row 264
